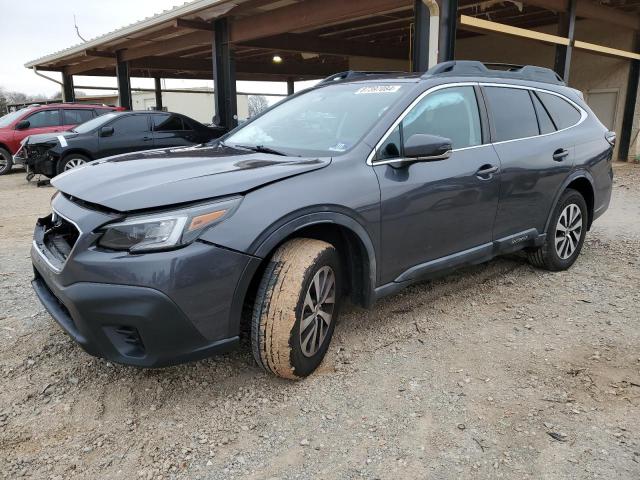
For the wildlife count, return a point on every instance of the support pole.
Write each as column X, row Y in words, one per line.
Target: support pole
column 630, row 104
column 566, row 28
column 124, row 83
column 290, row 86
column 68, row 92
column 224, row 77
column 420, row 47
column 448, row 28
column 158, row 91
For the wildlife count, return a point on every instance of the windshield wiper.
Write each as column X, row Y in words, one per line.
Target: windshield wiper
column 261, row 149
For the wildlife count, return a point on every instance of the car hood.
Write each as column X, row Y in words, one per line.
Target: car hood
column 49, row 137
column 159, row 178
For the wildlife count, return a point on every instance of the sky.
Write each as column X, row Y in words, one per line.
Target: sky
column 34, row 28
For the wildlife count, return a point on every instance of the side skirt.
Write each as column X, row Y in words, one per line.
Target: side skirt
column 473, row 256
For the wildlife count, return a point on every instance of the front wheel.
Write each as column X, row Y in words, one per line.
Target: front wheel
column 566, row 234
column 296, row 308
column 71, row 161
column 6, row 161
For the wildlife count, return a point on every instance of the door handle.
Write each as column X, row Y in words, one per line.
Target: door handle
column 486, row 172
column 146, row 139
column 560, row 154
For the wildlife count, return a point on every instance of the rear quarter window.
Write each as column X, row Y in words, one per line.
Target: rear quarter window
column 562, row 112
column 512, row 113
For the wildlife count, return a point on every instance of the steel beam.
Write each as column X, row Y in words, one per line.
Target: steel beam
column 630, row 104
column 158, row 91
column 448, row 27
column 566, row 28
column 68, row 92
column 124, row 82
column 224, row 77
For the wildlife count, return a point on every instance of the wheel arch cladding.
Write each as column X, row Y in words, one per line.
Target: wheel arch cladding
column 585, row 188
column 355, row 250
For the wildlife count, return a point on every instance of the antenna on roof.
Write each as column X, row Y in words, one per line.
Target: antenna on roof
column 75, row 24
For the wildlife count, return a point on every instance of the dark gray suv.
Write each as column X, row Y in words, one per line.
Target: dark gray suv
column 357, row 187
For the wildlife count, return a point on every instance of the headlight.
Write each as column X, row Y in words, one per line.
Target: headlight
column 165, row 230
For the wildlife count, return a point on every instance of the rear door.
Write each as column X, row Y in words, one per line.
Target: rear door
column 171, row 130
column 130, row 133
column 75, row 116
column 536, row 152
column 434, row 209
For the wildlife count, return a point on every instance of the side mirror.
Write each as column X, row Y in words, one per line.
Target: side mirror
column 106, row 131
column 422, row 147
column 23, row 125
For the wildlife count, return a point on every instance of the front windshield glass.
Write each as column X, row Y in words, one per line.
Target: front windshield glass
column 8, row 119
column 94, row 123
column 327, row 121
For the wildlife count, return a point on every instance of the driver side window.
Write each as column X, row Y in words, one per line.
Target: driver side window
column 450, row 113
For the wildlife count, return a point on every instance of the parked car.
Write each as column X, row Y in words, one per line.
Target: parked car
column 18, row 125
column 111, row 134
column 359, row 186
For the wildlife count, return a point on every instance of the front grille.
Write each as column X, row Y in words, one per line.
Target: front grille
column 59, row 237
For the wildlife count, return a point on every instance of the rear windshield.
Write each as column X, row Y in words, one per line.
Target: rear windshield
column 8, row 119
column 326, row 121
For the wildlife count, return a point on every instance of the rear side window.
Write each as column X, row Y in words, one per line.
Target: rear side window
column 44, row 118
column 167, row 123
column 76, row 116
column 563, row 113
column 512, row 112
column 544, row 120
column 102, row 111
column 130, row 124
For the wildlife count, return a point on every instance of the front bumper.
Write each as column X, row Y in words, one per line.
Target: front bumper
column 148, row 310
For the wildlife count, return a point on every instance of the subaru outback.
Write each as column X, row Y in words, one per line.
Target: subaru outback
column 355, row 188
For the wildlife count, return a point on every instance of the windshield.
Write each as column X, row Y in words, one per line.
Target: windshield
column 94, row 123
column 327, row 121
column 8, row 119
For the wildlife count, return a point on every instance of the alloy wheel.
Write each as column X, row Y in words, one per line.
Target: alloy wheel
column 73, row 163
column 317, row 312
column 568, row 231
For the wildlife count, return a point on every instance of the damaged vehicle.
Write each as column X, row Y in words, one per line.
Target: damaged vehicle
column 110, row 134
column 355, row 188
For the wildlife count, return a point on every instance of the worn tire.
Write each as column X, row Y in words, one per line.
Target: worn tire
column 62, row 164
column 546, row 256
column 6, row 161
column 280, row 302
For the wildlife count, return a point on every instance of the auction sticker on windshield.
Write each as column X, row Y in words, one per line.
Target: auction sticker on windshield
column 378, row 89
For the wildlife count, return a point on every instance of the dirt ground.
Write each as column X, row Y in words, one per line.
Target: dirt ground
column 498, row 371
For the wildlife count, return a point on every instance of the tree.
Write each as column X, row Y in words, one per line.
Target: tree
column 257, row 104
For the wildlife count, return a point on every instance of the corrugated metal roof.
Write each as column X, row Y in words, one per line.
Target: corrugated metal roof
column 149, row 22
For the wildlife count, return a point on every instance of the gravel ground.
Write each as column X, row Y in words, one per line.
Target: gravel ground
column 498, row 371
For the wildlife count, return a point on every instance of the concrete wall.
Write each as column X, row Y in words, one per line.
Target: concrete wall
column 199, row 106
column 589, row 72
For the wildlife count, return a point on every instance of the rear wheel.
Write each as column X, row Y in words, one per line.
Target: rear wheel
column 296, row 308
column 566, row 234
column 71, row 161
column 6, row 161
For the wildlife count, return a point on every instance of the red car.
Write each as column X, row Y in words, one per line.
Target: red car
column 16, row 126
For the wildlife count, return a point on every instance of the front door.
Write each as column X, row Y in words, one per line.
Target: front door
column 433, row 209
column 130, row 133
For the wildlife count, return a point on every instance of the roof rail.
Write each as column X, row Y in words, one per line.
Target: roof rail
column 353, row 74
column 500, row 70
